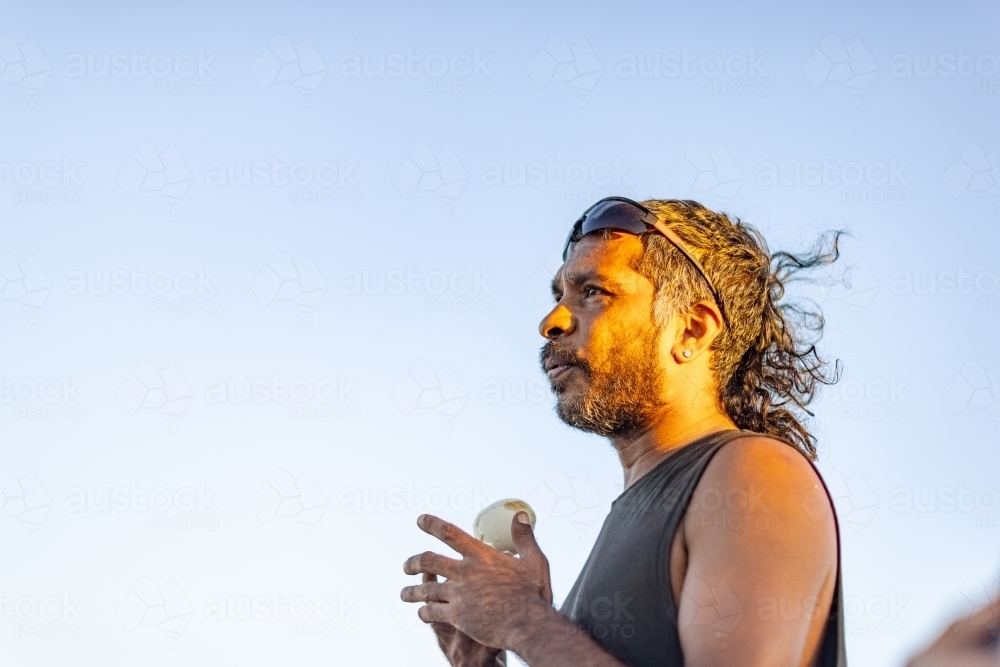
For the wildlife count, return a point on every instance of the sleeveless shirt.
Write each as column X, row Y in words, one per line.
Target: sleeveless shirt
column 623, row 597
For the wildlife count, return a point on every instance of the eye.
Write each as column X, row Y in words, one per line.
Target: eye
column 592, row 291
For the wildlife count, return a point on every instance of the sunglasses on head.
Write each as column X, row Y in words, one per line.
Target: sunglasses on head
column 623, row 214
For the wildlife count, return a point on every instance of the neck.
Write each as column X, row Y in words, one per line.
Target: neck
column 641, row 451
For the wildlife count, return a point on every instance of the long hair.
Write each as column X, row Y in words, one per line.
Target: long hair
column 765, row 360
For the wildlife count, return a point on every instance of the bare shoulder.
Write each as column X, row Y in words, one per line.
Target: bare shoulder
column 769, row 478
column 759, row 526
column 759, row 457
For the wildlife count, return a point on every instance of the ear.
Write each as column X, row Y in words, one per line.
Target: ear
column 702, row 323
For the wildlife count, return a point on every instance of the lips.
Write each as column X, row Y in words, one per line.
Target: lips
column 557, row 369
column 557, row 361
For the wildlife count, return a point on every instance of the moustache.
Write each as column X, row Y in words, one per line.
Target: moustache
column 553, row 353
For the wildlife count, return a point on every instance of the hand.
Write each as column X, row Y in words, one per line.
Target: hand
column 970, row 642
column 489, row 596
column 461, row 649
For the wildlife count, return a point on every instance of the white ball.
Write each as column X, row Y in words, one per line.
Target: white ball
column 492, row 525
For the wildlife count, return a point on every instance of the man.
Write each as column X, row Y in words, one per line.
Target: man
column 668, row 337
column 972, row 641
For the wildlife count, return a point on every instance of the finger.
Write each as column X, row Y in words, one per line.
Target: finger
column 450, row 534
column 431, row 563
column 985, row 622
column 434, row 612
column 428, row 577
column 524, row 537
column 430, row 592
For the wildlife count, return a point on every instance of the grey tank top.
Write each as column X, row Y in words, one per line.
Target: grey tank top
column 623, row 597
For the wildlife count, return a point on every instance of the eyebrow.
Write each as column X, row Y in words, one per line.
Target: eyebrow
column 580, row 278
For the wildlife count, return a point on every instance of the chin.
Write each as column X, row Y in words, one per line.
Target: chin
column 564, row 387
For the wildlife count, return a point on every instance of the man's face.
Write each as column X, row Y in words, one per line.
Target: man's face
column 602, row 358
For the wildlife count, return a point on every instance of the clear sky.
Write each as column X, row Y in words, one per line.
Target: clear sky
column 271, row 276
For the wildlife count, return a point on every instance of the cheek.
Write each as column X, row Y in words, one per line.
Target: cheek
column 621, row 341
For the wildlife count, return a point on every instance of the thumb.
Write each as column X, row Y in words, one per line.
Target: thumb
column 524, row 536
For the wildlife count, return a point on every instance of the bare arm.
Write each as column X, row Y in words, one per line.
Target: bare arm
column 759, row 541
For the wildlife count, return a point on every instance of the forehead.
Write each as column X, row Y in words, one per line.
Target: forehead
column 610, row 257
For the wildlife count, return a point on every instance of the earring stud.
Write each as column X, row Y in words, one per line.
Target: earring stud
column 687, row 354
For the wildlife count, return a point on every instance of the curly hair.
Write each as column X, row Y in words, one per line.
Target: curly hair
column 765, row 360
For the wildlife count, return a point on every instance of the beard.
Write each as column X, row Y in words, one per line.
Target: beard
column 622, row 387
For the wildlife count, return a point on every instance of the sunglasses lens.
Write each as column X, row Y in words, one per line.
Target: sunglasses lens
column 615, row 215
column 610, row 214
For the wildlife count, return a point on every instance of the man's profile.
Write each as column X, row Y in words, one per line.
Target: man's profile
column 670, row 337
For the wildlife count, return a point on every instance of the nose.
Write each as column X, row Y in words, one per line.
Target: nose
column 559, row 322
